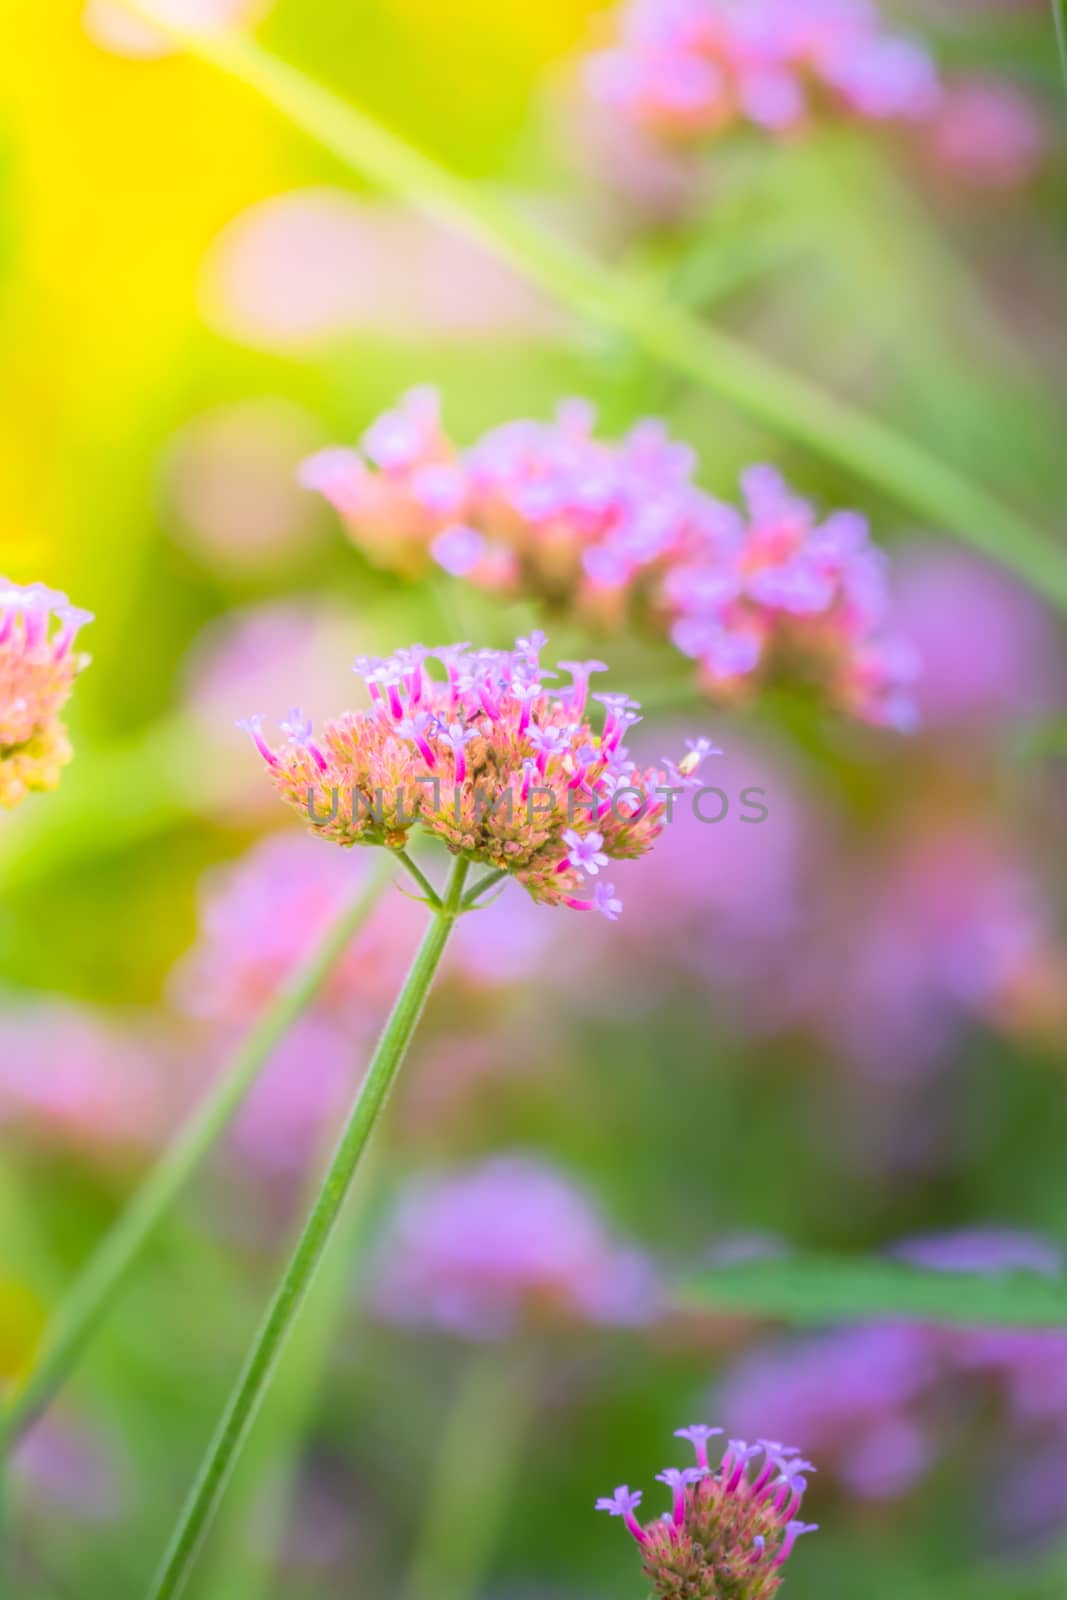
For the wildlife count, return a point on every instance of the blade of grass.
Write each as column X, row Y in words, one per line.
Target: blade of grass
column 782, row 401
column 819, row 1289
column 1059, row 22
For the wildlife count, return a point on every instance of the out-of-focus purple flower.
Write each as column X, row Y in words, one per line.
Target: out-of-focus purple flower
column 729, row 1531
column 987, row 134
column 482, row 1252
column 38, row 665
column 112, row 25
column 955, row 928
column 609, row 530
column 230, row 478
column 883, row 1404
column 1019, row 670
column 853, row 1395
column 70, row 1078
column 687, row 69
column 993, row 1250
column 727, row 899
column 317, row 265
column 68, row 1469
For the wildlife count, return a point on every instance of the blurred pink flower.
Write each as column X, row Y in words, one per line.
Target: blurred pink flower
column 261, row 917
column 1019, row 670
column 686, row 69
column 610, row 529
column 482, row 1252
column 117, row 28
column 727, row 901
column 954, row 928
column 987, row 134
column 316, row 265
column 73, row 1079
column 230, row 482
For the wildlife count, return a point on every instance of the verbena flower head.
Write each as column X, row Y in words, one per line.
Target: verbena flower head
column 38, row 665
column 503, row 765
column 730, row 1529
column 620, row 531
column 687, row 69
column 508, row 1243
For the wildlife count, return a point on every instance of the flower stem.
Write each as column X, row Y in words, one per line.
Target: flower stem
column 433, row 899
column 474, row 894
column 94, row 1292
column 259, row 1366
column 783, row 401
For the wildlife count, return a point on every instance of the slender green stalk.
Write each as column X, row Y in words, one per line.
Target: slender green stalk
column 471, row 1483
column 101, row 1280
column 433, row 899
column 264, row 1485
column 262, row 1358
column 784, row 402
column 474, row 894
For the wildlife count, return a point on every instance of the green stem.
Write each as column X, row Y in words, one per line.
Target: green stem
column 784, row 402
column 263, row 1489
column 101, row 1280
column 244, row 1402
column 433, row 899
column 471, row 898
column 472, row 1482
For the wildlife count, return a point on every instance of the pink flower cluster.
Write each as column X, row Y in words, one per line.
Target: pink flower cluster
column 689, row 68
column 38, row 665
column 730, row 1530
column 614, row 531
column 503, row 768
column 482, row 1252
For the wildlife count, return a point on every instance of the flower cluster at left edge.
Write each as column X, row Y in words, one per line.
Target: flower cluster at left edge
column 38, row 665
column 505, row 768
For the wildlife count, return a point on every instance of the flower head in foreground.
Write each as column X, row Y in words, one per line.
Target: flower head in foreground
column 38, row 665
column 503, row 766
column 510, row 1242
column 687, row 69
column 620, row 531
column 730, row 1529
